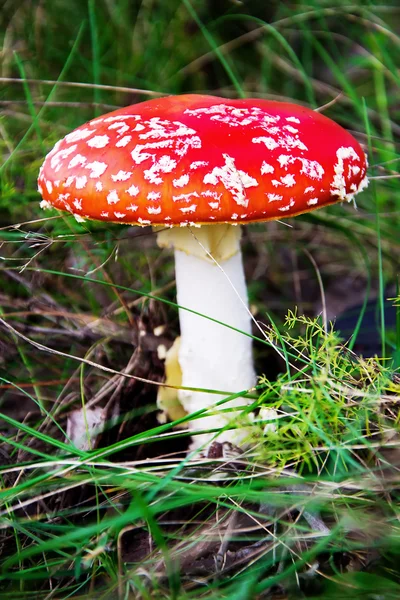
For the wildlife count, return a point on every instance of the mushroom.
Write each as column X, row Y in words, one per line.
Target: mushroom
column 195, row 165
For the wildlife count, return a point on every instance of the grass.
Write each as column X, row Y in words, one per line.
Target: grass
column 312, row 510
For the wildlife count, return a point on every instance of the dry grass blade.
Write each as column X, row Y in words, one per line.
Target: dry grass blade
column 83, row 85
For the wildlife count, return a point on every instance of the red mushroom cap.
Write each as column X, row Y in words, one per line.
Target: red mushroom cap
column 191, row 159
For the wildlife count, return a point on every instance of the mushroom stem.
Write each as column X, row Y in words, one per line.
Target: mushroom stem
column 212, row 355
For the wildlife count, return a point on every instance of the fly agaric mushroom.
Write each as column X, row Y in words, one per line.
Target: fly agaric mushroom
column 182, row 162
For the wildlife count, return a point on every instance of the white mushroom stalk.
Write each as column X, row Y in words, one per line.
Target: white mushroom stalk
column 210, row 280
